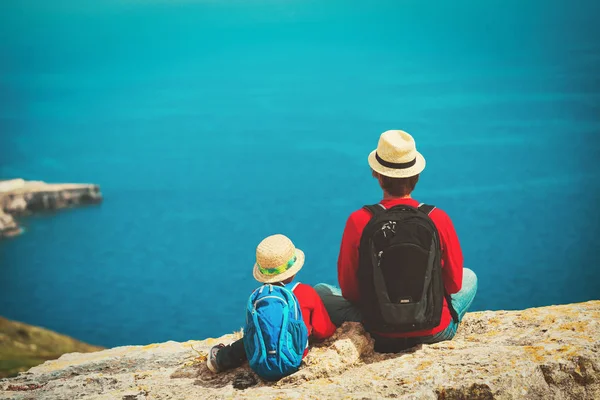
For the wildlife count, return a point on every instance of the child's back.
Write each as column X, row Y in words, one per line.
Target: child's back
column 275, row 336
column 276, row 308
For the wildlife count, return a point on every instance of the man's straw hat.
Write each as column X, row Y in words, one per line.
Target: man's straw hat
column 277, row 259
column 396, row 155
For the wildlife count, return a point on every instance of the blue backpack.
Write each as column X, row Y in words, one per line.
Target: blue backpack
column 275, row 336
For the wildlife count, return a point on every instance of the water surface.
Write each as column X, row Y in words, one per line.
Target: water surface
column 211, row 124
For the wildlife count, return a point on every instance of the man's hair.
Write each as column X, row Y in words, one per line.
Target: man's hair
column 397, row 186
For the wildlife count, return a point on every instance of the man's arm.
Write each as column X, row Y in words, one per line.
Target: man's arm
column 348, row 263
column 452, row 257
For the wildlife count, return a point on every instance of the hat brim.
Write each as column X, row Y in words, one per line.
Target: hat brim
column 284, row 275
column 397, row 173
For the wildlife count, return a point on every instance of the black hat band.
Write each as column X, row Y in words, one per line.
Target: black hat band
column 395, row 165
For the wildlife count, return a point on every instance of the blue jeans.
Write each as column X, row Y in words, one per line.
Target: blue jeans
column 341, row 310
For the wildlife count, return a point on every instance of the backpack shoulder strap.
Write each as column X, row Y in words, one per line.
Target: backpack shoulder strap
column 375, row 209
column 426, row 208
column 451, row 308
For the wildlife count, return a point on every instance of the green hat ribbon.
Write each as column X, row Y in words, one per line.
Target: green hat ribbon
column 277, row 270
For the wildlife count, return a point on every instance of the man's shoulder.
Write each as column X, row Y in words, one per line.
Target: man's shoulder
column 439, row 213
column 361, row 210
column 439, row 217
column 359, row 214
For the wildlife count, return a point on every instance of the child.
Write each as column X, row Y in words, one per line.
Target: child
column 277, row 263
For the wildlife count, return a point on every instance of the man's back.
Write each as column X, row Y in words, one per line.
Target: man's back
column 452, row 259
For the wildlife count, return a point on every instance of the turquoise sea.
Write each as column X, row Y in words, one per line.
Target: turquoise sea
column 212, row 124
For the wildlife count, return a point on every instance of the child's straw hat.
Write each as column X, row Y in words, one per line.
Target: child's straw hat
column 277, row 259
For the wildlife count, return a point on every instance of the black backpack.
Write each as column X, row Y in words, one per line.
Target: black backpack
column 400, row 270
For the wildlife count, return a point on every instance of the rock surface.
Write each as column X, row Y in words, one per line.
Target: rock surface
column 8, row 225
column 539, row 353
column 19, row 197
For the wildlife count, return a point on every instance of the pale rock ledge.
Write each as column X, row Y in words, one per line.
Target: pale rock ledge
column 539, row 353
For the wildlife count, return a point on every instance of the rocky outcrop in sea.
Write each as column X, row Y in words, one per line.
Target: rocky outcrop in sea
column 19, row 198
column 539, row 353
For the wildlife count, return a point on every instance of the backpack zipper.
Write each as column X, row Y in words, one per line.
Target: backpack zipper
column 278, row 298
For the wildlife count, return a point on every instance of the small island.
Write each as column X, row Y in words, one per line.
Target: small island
column 19, row 198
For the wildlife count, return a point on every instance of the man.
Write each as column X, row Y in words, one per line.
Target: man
column 364, row 274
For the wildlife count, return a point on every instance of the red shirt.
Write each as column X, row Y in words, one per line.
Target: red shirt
column 315, row 315
column 452, row 259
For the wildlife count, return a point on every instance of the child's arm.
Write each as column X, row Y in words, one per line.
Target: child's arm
column 320, row 321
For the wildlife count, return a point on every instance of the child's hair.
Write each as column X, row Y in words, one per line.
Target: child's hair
column 288, row 280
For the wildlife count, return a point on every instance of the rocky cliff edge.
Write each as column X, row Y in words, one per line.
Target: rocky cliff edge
column 19, row 197
column 539, row 353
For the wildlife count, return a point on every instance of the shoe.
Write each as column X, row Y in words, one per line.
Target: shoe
column 211, row 361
